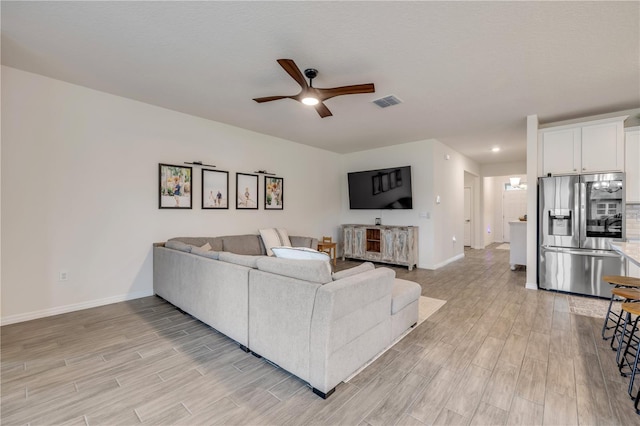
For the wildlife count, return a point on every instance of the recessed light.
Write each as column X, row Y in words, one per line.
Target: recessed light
column 495, row 149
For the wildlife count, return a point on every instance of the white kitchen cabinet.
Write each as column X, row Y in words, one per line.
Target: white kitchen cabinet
column 589, row 147
column 603, row 147
column 632, row 164
column 561, row 151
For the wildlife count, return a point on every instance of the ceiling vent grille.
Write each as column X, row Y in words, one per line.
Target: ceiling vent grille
column 387, row 101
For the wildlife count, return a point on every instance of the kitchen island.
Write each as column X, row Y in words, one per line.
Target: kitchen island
column 630, row 251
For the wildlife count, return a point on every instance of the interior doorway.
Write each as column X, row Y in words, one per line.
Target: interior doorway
column 514, row 205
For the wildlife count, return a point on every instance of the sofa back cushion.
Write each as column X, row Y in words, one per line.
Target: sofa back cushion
column 316, row 271
column 363, row 267
column 239, row 259
column 299, row 253
column 206, row 253
column 214, row 242
column 243, row 244
column 178, row 245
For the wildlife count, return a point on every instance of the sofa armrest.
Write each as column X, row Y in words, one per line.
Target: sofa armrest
column 350, row 325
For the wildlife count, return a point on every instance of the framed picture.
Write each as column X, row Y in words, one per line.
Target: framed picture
column 398, row 174
column 273, row 193
column 385, row 182
column 175, row 187
column 215, row 189
column 377, row 184
column 246, row 191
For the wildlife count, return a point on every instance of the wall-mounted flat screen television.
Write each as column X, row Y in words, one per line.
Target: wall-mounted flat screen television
column 381, row 189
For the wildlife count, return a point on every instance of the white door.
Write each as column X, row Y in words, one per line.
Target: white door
column 467, row 216
column 514, row 205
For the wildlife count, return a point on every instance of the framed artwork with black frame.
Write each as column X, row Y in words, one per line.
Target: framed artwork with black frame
column 246, row 191
column 215, row 189
column 273, row 193
column 175, row 187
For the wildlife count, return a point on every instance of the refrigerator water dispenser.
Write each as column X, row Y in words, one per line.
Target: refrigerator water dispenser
column 561, row 222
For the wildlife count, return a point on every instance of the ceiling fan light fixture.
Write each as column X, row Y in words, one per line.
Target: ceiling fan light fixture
column 309, row 100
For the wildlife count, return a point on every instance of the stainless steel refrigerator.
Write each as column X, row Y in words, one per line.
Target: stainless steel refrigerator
column 578, row 218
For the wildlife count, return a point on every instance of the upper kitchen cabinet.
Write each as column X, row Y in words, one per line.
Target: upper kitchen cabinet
column 589, row 147
column 632, row 164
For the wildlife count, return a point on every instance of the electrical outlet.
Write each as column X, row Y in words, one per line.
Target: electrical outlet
column 63, row 276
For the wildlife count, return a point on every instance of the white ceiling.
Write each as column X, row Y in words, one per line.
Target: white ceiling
column 468, row 72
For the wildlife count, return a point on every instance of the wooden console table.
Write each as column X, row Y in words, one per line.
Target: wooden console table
column 396, row 245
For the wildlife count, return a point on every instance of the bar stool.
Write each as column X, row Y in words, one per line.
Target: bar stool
column 627, row 295
column 631, row 353
column 618, row 281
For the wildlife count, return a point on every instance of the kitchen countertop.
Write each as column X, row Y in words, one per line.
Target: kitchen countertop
column 630, row 250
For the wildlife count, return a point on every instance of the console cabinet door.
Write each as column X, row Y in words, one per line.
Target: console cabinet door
column 402, row 245
column 359, row 242
column 347, row 241
column 387, row 244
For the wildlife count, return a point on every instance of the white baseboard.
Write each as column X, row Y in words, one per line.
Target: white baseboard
column 12, row 319
column 448, row 261
column 531, row 286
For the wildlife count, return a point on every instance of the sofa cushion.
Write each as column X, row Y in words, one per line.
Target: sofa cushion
column 302, row 241
column 363, row 267
column 243, row 244
column 302, row 253
column 274, row 237
column 178, row 245
column 206, row 253
column 214, row 242
column 317, row 271
column 240, row 259
column 403, row 293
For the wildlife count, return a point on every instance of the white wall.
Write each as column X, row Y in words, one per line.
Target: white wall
column 432, row 175
column 492, row 200
column 503, row 169
column 80, row 191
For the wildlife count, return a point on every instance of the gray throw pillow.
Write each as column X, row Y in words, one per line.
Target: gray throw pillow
column 364, row 267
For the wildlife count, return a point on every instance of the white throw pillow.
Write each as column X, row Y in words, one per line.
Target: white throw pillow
column 206, row 247
column 274, row 237
column 299, row 253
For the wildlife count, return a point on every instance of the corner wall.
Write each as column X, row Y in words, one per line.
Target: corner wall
column 79, row 176
column 432, row 175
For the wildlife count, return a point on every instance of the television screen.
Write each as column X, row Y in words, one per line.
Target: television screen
column 381, row 189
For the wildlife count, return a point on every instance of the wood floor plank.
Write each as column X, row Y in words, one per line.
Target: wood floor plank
column 532, row 380
column 495, row 353
column 525, row 413
column 560, row 409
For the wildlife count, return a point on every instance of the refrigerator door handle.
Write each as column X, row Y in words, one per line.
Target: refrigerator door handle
column 582, row 200
column 581, row 253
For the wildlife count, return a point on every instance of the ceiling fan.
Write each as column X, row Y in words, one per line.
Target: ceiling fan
column 315, row 96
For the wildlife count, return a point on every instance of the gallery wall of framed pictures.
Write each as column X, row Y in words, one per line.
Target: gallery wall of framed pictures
column 177, row 189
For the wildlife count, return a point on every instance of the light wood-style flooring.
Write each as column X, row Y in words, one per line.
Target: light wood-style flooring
column 495, row 353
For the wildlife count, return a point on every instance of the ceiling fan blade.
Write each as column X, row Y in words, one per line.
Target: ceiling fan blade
column 292, row 69
column 269, row 98
column 323, row 111
column 355, row 89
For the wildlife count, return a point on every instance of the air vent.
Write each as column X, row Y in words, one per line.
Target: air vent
column 387, row 101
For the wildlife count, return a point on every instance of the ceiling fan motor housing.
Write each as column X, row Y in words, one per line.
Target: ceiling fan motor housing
column 311, row 73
